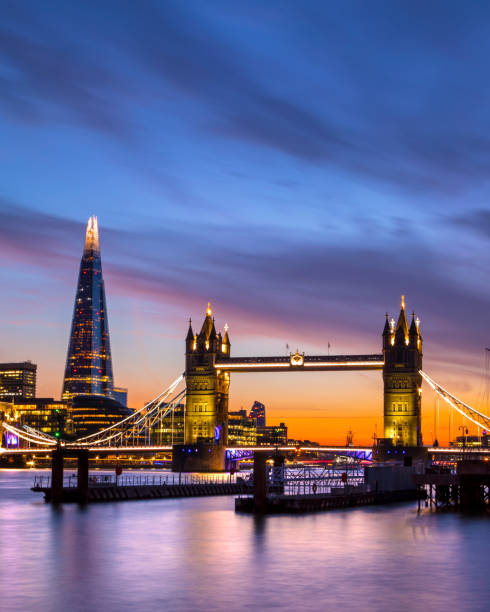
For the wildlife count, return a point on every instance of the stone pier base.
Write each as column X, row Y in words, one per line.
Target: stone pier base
column 198, row 458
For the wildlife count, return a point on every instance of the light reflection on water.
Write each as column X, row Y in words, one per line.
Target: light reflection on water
column 197, row 554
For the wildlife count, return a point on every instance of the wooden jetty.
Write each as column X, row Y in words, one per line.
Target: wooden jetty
column 467, row 491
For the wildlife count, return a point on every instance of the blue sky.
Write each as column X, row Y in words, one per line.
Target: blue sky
column 300, row 165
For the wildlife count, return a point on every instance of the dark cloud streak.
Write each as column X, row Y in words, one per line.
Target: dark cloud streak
column 475, row 220
column 395, row 117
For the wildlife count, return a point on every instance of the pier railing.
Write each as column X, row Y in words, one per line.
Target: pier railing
column 311, row 480
column 137, row 480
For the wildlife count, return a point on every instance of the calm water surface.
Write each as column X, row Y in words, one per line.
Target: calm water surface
column 197, row 554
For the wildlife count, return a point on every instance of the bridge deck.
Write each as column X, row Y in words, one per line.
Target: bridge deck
column 441, row 452
column 301, row 363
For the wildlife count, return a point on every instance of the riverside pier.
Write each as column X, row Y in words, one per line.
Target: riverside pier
column 103, row 488
column 279, row 489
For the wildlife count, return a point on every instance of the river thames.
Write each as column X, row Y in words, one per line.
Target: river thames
column 197, row 554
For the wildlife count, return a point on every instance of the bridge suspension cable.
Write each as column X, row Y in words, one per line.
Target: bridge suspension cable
column 38, row 433
column 29, row 435
column 123, row 434
column 138, row 422
column 137, row 425
column 477, row 418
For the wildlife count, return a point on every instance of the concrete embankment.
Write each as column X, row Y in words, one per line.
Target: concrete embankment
column 124, row 493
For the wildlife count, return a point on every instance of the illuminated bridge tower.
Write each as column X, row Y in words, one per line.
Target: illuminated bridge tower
column 206, row 410
column 206, row 414
column 88, row 363
column 402, row 350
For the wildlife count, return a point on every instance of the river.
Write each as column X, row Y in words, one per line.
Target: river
column 197, row 554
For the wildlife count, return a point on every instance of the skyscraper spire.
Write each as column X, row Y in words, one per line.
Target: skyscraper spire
column 92, row 236
column 88, row 363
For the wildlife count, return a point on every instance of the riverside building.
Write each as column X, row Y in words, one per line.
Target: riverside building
column 17, row 381
column 242, row 430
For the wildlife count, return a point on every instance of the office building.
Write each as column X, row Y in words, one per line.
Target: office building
column 272, row 435
column 170, row 430
column 120, row 394
column 257, row 412
column 91, row 413
column 17, row 380
column 242, row 430
column 42, row 413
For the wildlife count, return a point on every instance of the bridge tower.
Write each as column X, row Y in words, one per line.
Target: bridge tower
column 206, row 414
column 402, row 350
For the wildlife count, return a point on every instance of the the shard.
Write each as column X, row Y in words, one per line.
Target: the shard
column 88, row 363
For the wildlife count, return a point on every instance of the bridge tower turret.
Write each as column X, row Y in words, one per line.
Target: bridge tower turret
column 402, row 350
column 206, row 413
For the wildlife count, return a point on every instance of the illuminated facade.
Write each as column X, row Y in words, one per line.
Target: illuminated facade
column 120, row 394
column 44, row 414
column 17, row 380
column 257, row 412
column 402, row 350
column 170, row 430
column 242, row 430
column 207, row 387
column 272, row 435
column 91, row 413
column 88, row 363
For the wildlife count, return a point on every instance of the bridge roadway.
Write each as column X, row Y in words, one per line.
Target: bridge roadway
column 300, row 362
column 311, row 449
column 156, row 448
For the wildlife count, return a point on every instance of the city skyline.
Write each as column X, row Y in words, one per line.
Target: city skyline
column 93, row 284
column 264, row 360
column 300, row 198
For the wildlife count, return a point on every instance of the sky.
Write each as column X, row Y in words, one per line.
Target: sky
column 298, row 165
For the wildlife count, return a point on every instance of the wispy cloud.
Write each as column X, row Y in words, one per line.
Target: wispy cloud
column 390, row 117
column 292, row 284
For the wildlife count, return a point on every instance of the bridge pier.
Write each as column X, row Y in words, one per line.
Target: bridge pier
column 474, row 476
column 260, row 482
column 57, row 458
column 200, row 457
column 57, row 465
column 82, row 476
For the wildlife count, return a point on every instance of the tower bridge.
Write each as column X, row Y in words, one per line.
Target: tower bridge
column 205, row 386
column 209, row 365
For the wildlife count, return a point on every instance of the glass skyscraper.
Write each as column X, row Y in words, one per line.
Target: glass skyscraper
column 88, row 363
